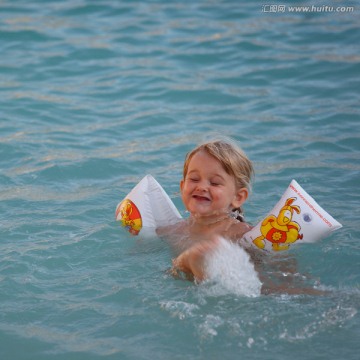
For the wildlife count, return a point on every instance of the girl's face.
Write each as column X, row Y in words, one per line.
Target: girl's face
column 208, row 190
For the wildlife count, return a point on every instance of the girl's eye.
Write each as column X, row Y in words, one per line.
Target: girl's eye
column 214, row 183
column 193, row 179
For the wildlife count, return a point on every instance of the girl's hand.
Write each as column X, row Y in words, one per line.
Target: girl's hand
column 192, row 260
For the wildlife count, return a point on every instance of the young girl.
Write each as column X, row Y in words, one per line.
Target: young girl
column 216, row 183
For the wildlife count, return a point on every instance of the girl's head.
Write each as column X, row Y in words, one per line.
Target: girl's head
column 219, row 157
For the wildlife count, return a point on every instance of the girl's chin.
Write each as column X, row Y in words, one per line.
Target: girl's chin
column 206, row 214
column 200, row 210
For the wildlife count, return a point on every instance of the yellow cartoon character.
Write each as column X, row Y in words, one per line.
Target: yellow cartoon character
column 280, row 230
column 130, row 216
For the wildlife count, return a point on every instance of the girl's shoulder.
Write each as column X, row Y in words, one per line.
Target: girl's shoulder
column 237, row 229
column 172, row 229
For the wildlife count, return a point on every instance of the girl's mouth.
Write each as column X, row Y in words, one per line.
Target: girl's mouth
column 200, row 198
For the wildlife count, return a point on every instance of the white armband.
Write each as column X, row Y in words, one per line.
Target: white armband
column 146, row 207
column 296, row 218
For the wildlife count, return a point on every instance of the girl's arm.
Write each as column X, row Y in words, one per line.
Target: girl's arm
column 192, row 260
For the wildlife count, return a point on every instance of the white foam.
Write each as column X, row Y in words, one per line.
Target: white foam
column 179, row 309
column 230, row 271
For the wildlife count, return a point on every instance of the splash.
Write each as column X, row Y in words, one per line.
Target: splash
column 230, row 271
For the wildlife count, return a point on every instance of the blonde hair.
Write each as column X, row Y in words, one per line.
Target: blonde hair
column 232, row 158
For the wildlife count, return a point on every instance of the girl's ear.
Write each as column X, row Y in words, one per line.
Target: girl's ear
column 240, row 197
column 181, row 184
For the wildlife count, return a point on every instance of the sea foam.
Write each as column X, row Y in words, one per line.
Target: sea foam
column 230, row 271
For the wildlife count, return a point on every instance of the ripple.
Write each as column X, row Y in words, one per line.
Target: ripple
column 94, row 96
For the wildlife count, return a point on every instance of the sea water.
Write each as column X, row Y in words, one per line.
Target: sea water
column 96, row 94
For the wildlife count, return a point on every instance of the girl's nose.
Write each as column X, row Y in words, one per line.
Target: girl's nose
column 201, row 186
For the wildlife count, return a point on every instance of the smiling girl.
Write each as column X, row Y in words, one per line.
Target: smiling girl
column 216, row 183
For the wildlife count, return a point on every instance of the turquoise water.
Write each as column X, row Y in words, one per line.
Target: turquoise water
column 96, row 94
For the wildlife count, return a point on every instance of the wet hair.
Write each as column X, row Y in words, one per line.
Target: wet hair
column 233, row 160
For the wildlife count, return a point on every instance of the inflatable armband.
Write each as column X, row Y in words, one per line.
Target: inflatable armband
column 146, row 207
column 296, row 218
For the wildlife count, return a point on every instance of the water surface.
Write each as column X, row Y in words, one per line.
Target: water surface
column 96, row 94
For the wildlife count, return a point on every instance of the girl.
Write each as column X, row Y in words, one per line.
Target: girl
column 216, row 183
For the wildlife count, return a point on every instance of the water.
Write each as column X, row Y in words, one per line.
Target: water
column 96, row 94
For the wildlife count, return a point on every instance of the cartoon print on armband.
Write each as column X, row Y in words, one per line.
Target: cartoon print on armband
column 130, row 216
column 280, row 230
